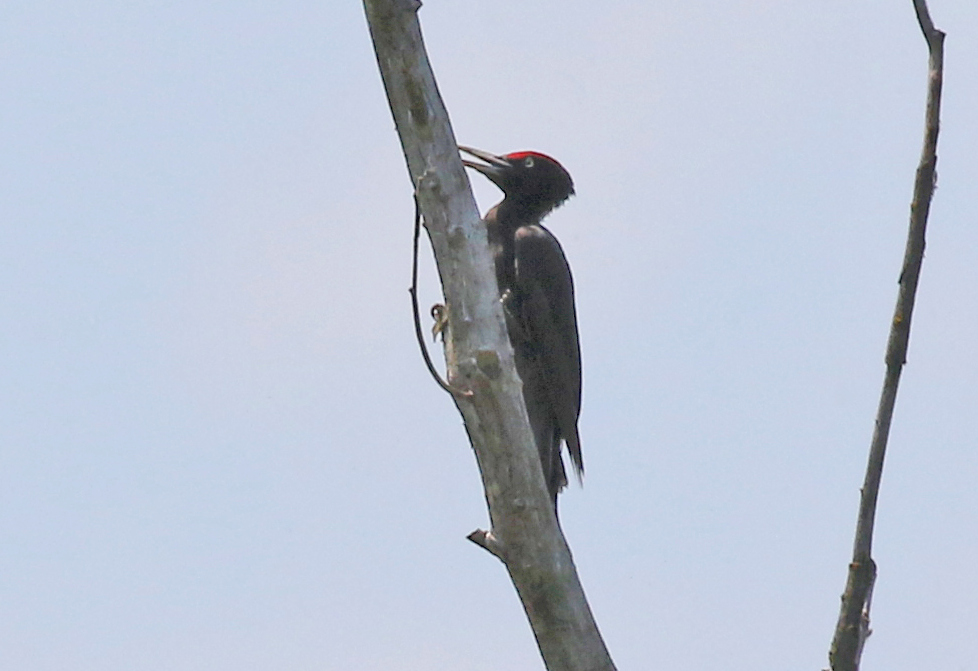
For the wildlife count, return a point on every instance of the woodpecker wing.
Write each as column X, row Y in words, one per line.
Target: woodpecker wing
column 547, row 312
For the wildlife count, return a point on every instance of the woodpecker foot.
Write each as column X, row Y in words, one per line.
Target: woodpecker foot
column 440, row 314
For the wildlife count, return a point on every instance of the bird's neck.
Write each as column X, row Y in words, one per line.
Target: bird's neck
column 512, row 213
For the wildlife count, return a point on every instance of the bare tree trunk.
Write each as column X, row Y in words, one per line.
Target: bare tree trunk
column 481, row 372
column 852, row 628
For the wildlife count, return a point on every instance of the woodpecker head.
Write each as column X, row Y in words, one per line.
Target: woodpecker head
column 533, row 183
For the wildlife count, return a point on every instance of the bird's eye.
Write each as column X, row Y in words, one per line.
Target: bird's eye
column 528, row 161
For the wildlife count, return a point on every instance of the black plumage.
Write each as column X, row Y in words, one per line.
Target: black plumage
column 537, row 291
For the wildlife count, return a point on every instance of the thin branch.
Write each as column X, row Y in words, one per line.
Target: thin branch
column 853, row 629
column 417, row 314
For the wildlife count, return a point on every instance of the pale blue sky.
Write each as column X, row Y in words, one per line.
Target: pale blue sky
column 219, row 447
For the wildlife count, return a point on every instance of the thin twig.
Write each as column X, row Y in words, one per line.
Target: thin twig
column 852, row 629
column 417, row 313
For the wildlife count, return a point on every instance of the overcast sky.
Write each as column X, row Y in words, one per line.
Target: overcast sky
column 220, row 449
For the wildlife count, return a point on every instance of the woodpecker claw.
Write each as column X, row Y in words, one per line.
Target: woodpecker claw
column 440, row 314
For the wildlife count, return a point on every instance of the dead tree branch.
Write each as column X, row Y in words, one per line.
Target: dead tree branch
column 479, row 360
column 853, row 628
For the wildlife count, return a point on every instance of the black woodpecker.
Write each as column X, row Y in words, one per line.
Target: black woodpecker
column 537, row 292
